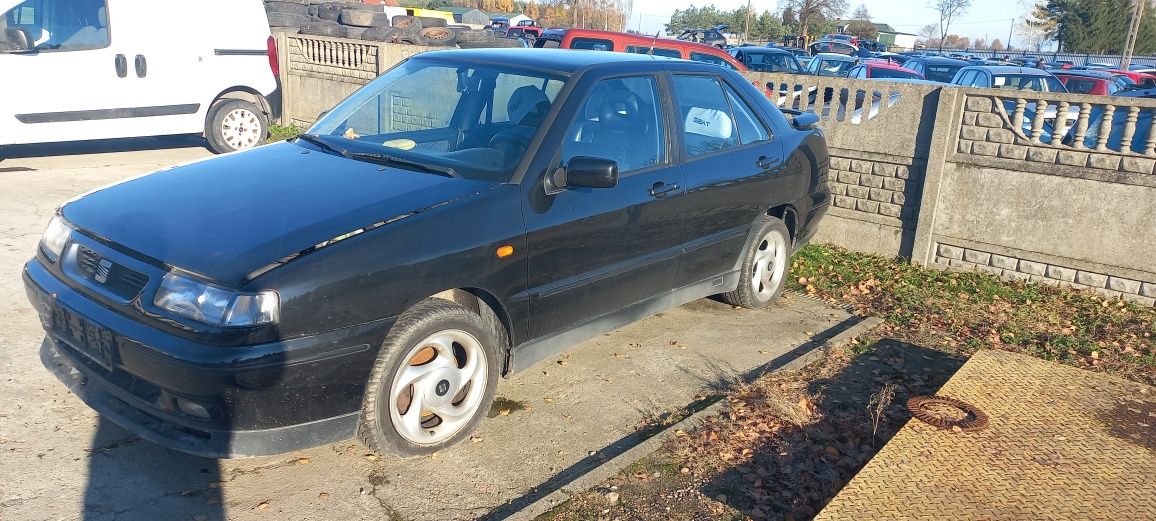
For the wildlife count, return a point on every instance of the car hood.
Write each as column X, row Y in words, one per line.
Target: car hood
column 227, row 217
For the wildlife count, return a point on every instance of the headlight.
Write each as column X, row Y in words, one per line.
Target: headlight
column 55, row 236
column 215, row 306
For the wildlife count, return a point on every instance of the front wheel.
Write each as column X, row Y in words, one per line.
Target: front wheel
column 234, row 124
column 433, row 380
column 765, row 267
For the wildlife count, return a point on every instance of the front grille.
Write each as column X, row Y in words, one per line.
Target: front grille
column 121, row 280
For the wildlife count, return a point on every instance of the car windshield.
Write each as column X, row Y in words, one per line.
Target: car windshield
column 834, row 67
column 476, row 120
column 770, row 62
column 1027, row 82
column 941, row 73
column 884, row 73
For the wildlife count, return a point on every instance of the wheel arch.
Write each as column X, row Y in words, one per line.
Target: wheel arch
column 244, row 93
column 490, row 308
column 790, row 217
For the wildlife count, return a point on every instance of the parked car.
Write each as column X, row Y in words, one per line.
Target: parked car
column 530, row 27
column 1090, row 82
column 881, row 70
column 1005, row 77
column 833, row 47
column 596, row 40
column 499, row 24
column 767, row 59
column 151, row 79
column 896, row 58
column 842, row 37
column 936, row 68
column 1139, row 79
column 834, row 65
column 377, row 275
column 712, row 36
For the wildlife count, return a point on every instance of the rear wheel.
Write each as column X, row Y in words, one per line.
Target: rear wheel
column 433, row 380
column 764, row 270
column 234, row 124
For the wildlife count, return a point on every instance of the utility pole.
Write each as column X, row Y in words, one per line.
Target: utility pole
column 1011, row 30
column 1133, row 33
column 747, row 24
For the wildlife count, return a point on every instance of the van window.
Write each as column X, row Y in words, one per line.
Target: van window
column 592, row 44
column 655, row 51
column 60, row 25
column 710, row 58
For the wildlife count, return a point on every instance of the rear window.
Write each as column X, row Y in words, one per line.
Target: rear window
column 592, row 44
column 770, row 62
column 1080, row 85
column 941, row 73
column 1027, row 82
column 834, row 67
column 878, row 72
column 654, row 51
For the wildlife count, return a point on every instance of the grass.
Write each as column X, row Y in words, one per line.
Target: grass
column 281, row 133
column 963, row 312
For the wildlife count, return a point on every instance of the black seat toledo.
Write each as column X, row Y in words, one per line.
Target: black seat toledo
column 463, row 216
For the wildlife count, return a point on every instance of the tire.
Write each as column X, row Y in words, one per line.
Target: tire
column 324, row 29
column 438, row 36
column 432, row 330
column 363, row 18
column 287, row 30
column 382, row 34
column 407, row 23
column 766, row 265
column 474, row 36
column 234, row 124
column 288, row 19
column 331, row 12
column 286, row 7
column 430, row 21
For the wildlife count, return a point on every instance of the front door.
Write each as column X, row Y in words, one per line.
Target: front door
column 600, row 250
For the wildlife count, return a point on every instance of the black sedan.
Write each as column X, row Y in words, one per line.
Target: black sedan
column 463, row 216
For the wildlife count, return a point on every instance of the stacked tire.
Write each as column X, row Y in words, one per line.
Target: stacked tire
column 355, row 21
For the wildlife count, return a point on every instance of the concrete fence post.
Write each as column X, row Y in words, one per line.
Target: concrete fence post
column 944, row 134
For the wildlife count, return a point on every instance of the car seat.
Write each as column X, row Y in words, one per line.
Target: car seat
column 526, row 108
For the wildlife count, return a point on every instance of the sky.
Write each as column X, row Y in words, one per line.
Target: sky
column 987, row 19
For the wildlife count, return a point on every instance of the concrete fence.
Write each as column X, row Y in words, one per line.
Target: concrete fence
column 1054, row 188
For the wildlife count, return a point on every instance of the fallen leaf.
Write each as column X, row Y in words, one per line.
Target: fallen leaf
column 302, row 461
column 476, row 439
column 504, row 412
column 684, row 470
column 956, row 429
column 264, row 505
column 323, row 496
column 562, row 362
column 372, row 457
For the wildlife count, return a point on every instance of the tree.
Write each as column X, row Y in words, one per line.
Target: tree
column 949, row 10
column 811, row 14
column 996, row 45
column 979, row 44
column 1093, row 26
column 929, row 34
column 861, row 25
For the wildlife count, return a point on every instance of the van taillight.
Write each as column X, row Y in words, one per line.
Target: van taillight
column 271, row 44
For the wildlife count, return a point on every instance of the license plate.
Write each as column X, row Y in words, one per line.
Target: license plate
column 91, row 340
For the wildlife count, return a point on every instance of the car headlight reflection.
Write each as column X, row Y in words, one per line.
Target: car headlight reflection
column 215, row 306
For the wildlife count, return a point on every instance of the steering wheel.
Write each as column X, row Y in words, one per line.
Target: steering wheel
column 511, row 144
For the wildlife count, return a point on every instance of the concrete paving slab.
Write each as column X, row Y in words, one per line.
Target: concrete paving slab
column 62, row 461
column 1062, row 443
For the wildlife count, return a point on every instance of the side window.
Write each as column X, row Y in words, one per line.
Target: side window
column 967, row 78
column 705, row 117
column 854, row 73
column 710, row 58
column 751, row 129
column 981, row 80
column 793, row 64
column 621, row 119
column 654, row 51
column 917, row 67
column 61, row 25
column 592, row 44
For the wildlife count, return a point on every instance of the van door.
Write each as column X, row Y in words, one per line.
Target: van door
column 71, row 82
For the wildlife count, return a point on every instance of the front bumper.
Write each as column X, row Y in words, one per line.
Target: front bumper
column 202, row 399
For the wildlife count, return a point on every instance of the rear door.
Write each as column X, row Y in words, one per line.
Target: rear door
column 732, row 164
column 595, row 251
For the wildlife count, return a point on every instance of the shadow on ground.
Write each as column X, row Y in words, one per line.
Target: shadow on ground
column 99, row 146
column 794, row 474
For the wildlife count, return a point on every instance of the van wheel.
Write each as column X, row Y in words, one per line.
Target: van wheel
column 765, row 266
column 433, row 381
column 234, row 124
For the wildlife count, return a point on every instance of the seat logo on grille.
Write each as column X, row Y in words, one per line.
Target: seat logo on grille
column 102, row 270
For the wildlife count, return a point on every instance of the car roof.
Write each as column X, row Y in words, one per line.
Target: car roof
column 1011, row 69
column 941, row 60
column 627, row 37
column 1086, row 74
column 564, row 61
column 765, row 50
column 884, row 64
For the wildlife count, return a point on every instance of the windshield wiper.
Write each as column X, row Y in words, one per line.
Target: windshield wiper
column 384, row 159
column 319, row 141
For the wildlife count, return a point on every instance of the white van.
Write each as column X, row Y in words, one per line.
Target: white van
column 96, row 69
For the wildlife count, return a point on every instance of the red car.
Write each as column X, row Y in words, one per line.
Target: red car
column 593, row 39
column 1144, row 80
column 880, row 69
column 1089, row 82
column 529, row 27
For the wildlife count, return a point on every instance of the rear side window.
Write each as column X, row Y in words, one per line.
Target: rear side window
column 751, row 129
column 705, row 117
column 60, row 25
column 710, row 58
column 654, row 51
column 592, row 44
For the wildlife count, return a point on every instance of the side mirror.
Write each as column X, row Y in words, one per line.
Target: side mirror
column 18, row 38
column 590, row 172
column 805, row 120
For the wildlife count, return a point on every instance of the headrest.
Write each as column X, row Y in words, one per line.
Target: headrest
column 102, row 16
column 525, row 101
column 709, row 122
column 620, row 110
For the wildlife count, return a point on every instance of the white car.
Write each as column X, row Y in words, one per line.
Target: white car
column 98, row 69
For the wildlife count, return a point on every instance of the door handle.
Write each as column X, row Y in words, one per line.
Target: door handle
column 142, row 66
column 660, row 189
column 121, row 66
column 766, row 162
